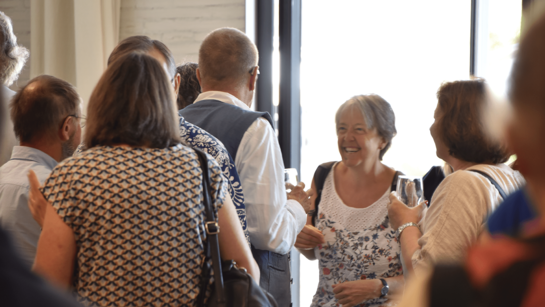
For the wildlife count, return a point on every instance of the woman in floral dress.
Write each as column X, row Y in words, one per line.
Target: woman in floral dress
column 357, row 249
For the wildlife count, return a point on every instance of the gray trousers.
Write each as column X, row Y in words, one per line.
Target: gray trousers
column 275, row 275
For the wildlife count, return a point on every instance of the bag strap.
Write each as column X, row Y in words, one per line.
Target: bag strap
column 492, row 181
column 393, row 186
column 212, row 229
column 319, row 178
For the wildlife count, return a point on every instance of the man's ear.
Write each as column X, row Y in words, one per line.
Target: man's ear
column 198, row 72
column 177, row 80
column 67, row 128
column 253, row 79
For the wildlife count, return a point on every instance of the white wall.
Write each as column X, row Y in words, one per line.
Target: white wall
column 19, row 12
column 181, row 25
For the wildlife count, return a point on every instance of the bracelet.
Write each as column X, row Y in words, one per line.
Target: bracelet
column 402, row 227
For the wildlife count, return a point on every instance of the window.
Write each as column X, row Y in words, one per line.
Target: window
column 401, row 50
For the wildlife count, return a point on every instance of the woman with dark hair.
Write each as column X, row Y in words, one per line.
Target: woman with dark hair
column 126, row 220
column 464, row 199
column 359, row 256
column 189, row 84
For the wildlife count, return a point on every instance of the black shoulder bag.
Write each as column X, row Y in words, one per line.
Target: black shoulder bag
column 233, row 285
column 319, row 178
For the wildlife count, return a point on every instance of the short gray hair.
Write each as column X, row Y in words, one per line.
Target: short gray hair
column 226, row 56
column 12, row 56
column 377, row 113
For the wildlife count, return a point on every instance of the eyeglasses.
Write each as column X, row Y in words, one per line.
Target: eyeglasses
column 252, row 70
column 82, row 119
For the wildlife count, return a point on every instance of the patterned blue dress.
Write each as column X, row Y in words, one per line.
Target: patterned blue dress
column 138, row 221
column 195, row 137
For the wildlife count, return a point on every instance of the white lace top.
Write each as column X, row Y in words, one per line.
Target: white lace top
column 360, row 244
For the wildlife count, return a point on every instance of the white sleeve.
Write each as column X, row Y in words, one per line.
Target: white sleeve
column 273, row 221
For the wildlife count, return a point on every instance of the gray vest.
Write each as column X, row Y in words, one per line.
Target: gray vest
column 228, row 123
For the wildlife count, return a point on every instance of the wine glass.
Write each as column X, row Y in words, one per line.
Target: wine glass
column 410, row 190
column 290, row 176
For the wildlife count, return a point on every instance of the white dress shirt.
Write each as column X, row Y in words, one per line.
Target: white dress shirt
column 15, row 216
column 273, row 221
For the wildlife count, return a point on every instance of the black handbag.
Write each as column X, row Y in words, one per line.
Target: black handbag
column 233, row 285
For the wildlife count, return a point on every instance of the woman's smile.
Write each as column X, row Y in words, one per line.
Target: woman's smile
column 351, row 149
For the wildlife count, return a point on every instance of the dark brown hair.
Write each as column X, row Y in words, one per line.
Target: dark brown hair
column 132, row 104
column 39, row 107
column 226, row 56
column 460, row 125
column 189, row 84
column 143, row 44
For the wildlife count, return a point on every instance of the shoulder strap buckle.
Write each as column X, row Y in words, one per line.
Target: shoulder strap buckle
column 212, row 228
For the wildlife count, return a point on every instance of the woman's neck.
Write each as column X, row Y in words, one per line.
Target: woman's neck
column 366, row 173
column 458, row 164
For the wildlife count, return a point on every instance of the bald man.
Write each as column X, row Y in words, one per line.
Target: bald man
column 15, row 276
column 46, row 114
column 227, row 74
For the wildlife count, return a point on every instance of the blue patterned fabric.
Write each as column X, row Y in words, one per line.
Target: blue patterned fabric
column 195, row 137
column 138, row 221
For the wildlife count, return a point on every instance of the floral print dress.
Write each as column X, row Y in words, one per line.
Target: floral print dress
column 360, row 244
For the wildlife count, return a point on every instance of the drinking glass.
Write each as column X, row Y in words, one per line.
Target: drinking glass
column 410, row 190
column 290, row 176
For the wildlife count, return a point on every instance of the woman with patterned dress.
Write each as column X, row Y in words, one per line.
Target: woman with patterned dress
column 357, row 249
column 126, row 222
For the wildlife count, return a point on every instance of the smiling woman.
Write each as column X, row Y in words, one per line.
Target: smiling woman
column 371, row 116
column 358, row 251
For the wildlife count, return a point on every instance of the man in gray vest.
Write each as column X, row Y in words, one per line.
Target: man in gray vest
column 227, row 73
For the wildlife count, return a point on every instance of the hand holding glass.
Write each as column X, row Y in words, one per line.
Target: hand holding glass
column 410, row 190
column 290, row 176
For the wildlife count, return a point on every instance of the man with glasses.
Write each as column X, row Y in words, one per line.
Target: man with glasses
column 227, row 74
column 46, row 116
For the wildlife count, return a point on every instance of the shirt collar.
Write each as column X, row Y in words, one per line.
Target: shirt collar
column 223, row 97
column 33, row 154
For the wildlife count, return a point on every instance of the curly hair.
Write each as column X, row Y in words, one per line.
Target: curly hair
column 461, row 127
column 12, row 56
column 189, row 84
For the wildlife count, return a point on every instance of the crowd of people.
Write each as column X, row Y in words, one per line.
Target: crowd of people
column 108, row 209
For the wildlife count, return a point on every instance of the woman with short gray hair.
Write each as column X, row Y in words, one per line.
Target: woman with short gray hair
column 348, row 230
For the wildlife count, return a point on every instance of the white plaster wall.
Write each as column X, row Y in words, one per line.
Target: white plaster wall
column 19, row 12
column 180, row 24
